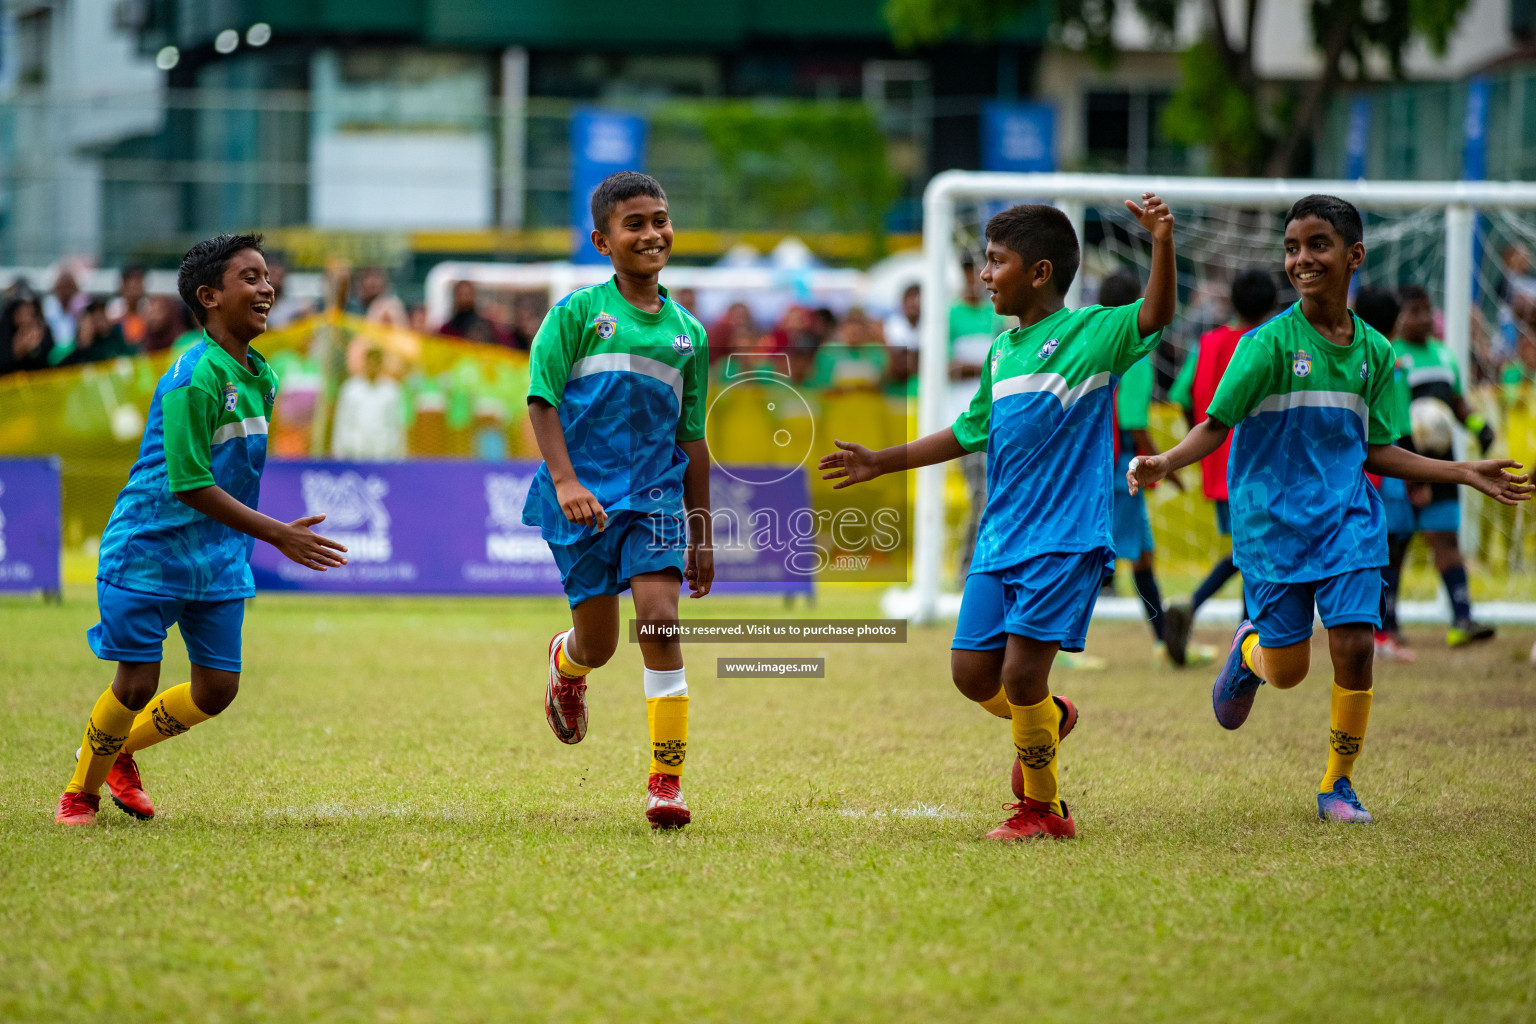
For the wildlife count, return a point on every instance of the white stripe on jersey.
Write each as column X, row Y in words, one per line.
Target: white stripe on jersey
column 1314, row 400
column 1431, row 375
column 1055, row 383
column 245, row 428
column 621, row 362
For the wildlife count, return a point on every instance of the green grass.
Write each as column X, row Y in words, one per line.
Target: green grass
column 382, row 829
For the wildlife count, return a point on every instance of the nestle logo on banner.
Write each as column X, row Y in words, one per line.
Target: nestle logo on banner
column 353, row 506
column 506, row 538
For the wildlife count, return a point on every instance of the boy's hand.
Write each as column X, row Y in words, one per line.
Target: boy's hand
column 1154, row 215
column 1492, row 477
column 308, row 548
column 580, row 505
column 855, row 464
column 699, row 570
column 1145, row 470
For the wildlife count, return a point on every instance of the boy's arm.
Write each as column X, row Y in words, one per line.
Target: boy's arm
column 699, row 571
column 579, row 504
column 1491, row 476
column 856, row 464
column 1204, row 439
column 294, row 539
column 1161, row 296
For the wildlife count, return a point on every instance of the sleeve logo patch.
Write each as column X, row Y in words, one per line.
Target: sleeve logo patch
column 1049, row 347
column 1365, row 370
column 682, row 343
column 1301, row 364
column 605, row 325
column 231, row 396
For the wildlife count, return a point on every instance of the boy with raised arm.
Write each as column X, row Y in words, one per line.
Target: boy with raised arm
column 1043, row 415
column 1310, row 394
column 177, row 548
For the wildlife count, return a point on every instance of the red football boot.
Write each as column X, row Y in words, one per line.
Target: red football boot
column 664, row 805
column 1068, row 720
column 565, row 698
column 1035, row 820
column 77, row 809
column 126, row 789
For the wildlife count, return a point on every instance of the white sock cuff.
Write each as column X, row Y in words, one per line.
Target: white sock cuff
column 670, row 683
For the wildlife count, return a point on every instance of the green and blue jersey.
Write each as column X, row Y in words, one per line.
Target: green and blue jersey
column 1043, row 415
column 1304, row 411
column 628, row 385
column 207, row 426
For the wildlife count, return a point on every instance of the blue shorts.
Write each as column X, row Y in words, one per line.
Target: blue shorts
column 1443, row 516
column 1282, row 612
column 1048, row 597
column 1131, row 528
column 133, row 627
column 1223, row 518
column 631, row 544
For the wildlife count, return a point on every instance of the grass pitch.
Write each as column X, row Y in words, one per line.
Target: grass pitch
column 382, row 829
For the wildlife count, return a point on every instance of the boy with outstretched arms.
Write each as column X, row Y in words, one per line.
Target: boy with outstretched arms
column 177, row 547
column 1311, row 396
column 1043, row 415
column 617, row 401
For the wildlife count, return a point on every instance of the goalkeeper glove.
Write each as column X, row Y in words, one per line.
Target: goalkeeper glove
column 1484, row 431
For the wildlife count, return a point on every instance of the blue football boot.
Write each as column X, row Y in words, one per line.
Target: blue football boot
column 1342, row 805
column 1232, row 696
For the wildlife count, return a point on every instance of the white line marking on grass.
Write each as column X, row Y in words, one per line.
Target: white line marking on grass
column 920, row 811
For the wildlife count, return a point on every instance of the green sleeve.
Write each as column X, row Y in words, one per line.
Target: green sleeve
column 1117, row 326
column 972, row 426
column 1134, row 397
column 1182, row 392
column 690, row 423
column 552, row 353
column 1248, row 380
column 1382, row 422
column 188, row 415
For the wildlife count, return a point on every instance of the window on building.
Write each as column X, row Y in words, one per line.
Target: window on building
column 1123, row 132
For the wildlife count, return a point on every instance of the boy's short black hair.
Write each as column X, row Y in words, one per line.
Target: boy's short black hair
column 1412, row 293
column 1038, row 233
column 1119, row 289
column 1254, row 294
column 1378, row 307
column 1341, row 214
column 205, row 263
column 618, row 187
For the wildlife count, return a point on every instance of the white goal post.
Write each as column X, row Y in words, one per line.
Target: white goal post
column 1072, row 193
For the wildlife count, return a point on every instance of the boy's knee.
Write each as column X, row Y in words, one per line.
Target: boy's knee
column 214, row 691
column 1285, row 667
column 974, row 674
column 593, row 652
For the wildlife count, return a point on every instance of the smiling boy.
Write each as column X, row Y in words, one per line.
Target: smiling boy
column 1042, row 413
column 1310, row 395
column 177, row 547
column 617, row 402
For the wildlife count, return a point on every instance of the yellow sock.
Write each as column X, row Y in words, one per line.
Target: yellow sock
column 1249, row 643
column 1351, row 710
column 668, row 719
column 1035, row 732
column 563, row 661
column 170, row 714
column 105, row 734
column 997, row 704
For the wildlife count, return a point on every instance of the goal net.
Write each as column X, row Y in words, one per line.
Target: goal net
column 1468, row 244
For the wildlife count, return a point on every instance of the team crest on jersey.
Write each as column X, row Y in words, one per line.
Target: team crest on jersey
column 605, row 325
column 682, row 343
column 1047, row 349
column 1302, row 364
column 270, row 397
column 231, row 396
column 1365, row 369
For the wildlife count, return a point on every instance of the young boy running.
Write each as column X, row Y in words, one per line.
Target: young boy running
column 1310, row 394
column 617, row 402
column 1043, row 416
column 177, row 547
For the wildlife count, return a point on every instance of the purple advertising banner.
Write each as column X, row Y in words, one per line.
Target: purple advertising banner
column 30, row 513
column 455, row 527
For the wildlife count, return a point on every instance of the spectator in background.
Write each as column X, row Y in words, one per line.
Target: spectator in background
column 733, row 332
column 162, row 323
column 62, row 305
column 1516, row 292
column 800, row 341
column 128, row 308
column 527, row 317
column 685, row 297
column 466, row 321
column 855, row 358
column 376, row 300
column 96, row 337
column 370, row 415
column 904, row 338
column 26, row 342
column 416, row 318
column 286, row 308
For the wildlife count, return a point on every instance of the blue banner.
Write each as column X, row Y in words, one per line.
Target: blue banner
column 456, row 527
column 1018, row 137
column 602, row 143
column 31, row 510
column 1474, row 155
column 1357, row 142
